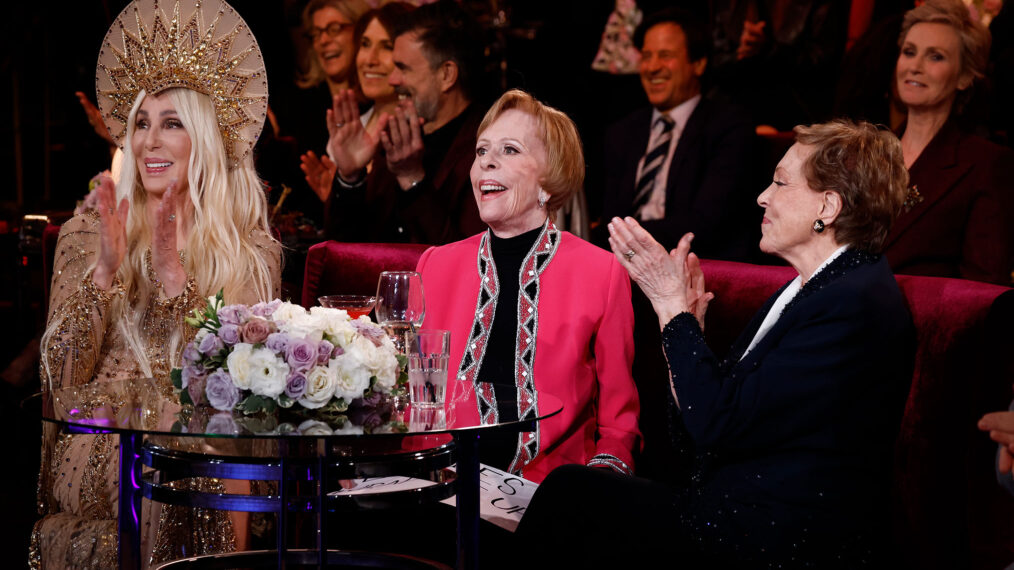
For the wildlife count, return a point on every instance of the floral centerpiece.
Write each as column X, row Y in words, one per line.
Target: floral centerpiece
column 373, row 414
column 278, row 354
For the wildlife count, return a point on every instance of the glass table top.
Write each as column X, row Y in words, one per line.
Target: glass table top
column 144, row 405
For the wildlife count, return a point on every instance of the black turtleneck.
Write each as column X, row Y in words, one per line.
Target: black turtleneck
column 497, row 365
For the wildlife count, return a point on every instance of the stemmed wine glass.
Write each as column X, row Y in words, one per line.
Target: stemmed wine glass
column 400, row 304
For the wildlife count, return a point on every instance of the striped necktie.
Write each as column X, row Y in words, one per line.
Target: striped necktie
column 653, row 161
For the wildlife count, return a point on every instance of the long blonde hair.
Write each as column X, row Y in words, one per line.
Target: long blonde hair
column 228, row 207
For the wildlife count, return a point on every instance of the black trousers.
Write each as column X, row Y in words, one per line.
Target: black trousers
column 584, row 517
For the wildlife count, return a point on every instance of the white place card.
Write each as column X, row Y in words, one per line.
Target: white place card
column 503, row 497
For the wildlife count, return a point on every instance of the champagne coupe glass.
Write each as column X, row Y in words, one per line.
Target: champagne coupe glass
column 400, row 304
column 355, row 305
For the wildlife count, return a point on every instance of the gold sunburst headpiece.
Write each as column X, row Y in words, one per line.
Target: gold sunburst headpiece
column 147, row 49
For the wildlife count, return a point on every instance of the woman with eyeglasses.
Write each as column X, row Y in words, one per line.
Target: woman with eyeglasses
column 327, row 69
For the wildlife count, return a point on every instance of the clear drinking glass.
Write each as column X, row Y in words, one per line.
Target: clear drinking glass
column 400, row 304
column 428, row 351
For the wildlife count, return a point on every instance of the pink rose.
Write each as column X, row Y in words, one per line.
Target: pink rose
column 256, row 330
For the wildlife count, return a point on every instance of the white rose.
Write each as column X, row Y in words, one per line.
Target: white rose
column 336, row 325
column 314, row 427
column 320, row 386
column 353, row 378
column 239, row 364
column 348, row 429
column 380, row 362
column 303, row 326
column 267, row 373
column 287, row 311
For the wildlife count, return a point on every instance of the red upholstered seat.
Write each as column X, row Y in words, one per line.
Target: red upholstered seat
column 948, row 509
column 334, row 268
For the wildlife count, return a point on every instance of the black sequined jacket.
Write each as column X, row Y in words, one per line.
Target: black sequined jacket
column 794, row 441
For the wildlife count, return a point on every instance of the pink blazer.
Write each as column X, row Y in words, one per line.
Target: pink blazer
column 583, row 347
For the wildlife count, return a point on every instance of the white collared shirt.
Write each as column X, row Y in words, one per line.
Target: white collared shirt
column 787, row 295
column 654, row 208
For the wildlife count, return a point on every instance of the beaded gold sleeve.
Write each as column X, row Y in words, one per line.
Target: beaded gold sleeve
column 79, row 310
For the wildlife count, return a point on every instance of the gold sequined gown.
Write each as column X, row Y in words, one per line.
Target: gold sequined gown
column 78, row 478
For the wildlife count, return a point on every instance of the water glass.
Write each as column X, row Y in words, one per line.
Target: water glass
column 428, row 352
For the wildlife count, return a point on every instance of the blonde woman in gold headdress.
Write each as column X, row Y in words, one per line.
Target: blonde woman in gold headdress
column 187, row 218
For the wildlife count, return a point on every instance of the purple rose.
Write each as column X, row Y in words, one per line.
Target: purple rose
column 265, row 309
column 233, row 314
column 256, row 330
column 301, row 354
column 229, row 334
column 211, row 345
column 368, row 412
column 221, row 392
column 371, row 331
column 324, row 350
column 222, row 423
column 196, row 389
column 190, row 353
column 338, row 351
column 295, row 385
column 276, row 342
column 192, row 372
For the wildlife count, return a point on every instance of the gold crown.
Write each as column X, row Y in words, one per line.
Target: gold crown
column 177, row 52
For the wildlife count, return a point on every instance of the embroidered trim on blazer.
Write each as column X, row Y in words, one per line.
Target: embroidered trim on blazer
column 534, row 264
column 611, row 461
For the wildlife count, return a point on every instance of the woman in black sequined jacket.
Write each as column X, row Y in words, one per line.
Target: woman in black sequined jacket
column 793, row 432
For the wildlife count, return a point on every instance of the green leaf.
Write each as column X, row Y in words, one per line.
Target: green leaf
column 177, row 427
column 249, row 405
column 185, row 398
column 335, row 406
column 402, row 370
column 254, row 404
column 176, row 375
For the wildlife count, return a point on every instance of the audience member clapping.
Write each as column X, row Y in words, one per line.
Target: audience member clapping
column 374, row 63
column 327, row 68
column 419, row 191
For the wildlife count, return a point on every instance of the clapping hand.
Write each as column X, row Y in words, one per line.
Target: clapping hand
column 349, row 142
column 1000, row 426
column 403, row 144
column 112, row 234
column 165, row 258
column 751, row 40
column 94, row 116
column 673, row 282
column 319, row 173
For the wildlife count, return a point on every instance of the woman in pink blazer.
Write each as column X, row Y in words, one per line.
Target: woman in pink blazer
column 533, row 310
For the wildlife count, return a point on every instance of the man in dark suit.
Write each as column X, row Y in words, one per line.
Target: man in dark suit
column 685, row 163
column 419, row 189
